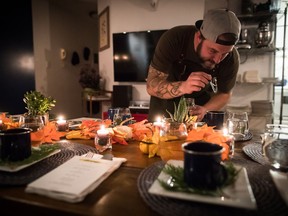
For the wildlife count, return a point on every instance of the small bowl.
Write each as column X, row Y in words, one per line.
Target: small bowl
column 15, row 144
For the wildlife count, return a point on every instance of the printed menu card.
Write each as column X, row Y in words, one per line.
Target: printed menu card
column 74, row 179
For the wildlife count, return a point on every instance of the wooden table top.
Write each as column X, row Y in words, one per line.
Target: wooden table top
column 119, row 195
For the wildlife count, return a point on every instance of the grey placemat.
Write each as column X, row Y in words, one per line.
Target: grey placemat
column 267, row 197
column 254, row 151
column 29, row 174
column 248, row 137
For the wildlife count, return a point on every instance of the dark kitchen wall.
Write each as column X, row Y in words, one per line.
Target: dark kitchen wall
column 16, row 55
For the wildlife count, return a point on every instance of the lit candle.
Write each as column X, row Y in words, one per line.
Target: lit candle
column 1, row 122
column 225, row 131
column 102, row 139
column 61, row 124
column 158, row 122
column 229, row 142
column 102, row 132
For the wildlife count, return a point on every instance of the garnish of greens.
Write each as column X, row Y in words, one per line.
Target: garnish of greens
column 176, row 181
column 37, row 154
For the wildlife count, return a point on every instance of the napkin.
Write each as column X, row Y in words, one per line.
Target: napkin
column 281, row 181
column 75, row 178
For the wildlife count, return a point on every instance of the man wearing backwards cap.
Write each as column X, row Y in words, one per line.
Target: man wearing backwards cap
column 198, row 61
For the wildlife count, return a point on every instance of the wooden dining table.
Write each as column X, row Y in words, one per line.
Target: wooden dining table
column 122, row 193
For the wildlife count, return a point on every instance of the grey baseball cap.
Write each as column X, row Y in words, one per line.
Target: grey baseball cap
column 217, row 22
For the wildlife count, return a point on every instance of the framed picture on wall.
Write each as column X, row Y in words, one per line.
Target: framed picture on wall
column 104, row 30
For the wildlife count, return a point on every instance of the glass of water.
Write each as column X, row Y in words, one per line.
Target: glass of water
column 275, row 146
column 238, row 124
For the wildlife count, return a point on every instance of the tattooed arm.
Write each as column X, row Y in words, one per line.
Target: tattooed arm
column 158, row 86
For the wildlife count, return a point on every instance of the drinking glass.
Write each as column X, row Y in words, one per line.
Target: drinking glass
column 237, row 124
column 275, row 146
column 122, row 114
column 36, row 124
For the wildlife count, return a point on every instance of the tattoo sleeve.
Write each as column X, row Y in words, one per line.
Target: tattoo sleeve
column 158, row 86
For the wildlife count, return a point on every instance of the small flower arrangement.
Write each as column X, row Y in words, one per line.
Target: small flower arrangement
column 89, row 77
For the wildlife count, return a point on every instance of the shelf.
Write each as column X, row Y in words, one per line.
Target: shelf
column 255, row 83
column 259, row 16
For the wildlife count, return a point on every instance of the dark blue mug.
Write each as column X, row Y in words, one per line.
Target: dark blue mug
column 203, row 168
column 15, row 144
column 215, row 118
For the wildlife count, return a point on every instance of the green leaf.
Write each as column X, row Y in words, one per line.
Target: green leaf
column 180, row 112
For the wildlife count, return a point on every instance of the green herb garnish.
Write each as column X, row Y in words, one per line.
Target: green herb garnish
column 37, row 154
column 176, row 181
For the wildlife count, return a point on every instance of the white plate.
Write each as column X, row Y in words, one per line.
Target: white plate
column 20, row 167
column 240, row 194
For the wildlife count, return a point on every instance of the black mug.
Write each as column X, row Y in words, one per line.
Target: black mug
column 15, row 144
column 203, row 168
column 215, row 118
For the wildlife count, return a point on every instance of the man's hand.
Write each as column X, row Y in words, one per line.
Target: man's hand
column 195, row 82
column 199, row 111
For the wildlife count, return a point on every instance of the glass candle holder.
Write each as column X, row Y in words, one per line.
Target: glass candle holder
column 103, row 140
column 231, row 143
column 62, row 124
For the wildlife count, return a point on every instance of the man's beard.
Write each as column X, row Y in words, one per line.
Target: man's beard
column 206, row 63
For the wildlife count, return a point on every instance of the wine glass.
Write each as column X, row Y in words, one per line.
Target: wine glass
column 275, row 146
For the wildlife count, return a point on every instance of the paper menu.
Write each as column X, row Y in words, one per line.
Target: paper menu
column 74, row 179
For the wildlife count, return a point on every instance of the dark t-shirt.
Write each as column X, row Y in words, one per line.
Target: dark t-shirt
column 175, row 55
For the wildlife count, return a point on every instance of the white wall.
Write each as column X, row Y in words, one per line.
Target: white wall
column 56, row 27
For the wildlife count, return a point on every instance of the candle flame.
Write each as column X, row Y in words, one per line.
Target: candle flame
column 225, row 131
column 158, row 119
column 60, row 117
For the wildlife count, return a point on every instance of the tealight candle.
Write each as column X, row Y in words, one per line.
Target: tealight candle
column 229, row 141
column 158, row 122
column 102, row 139
column 61, row 124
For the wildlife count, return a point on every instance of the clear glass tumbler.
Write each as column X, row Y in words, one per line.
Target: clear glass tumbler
column 238, row 124
column 275, row 146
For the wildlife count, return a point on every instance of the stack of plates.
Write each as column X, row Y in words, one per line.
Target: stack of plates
column 262, row 107
column 251, row 76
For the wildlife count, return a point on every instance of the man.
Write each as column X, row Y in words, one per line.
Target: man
column 198, row 61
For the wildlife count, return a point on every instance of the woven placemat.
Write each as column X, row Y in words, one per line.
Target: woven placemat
column 29, row 174
column 267, row 197
column 254, row 151
column 248, row 137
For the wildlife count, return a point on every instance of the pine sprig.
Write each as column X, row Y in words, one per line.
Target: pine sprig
column 176, row 181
